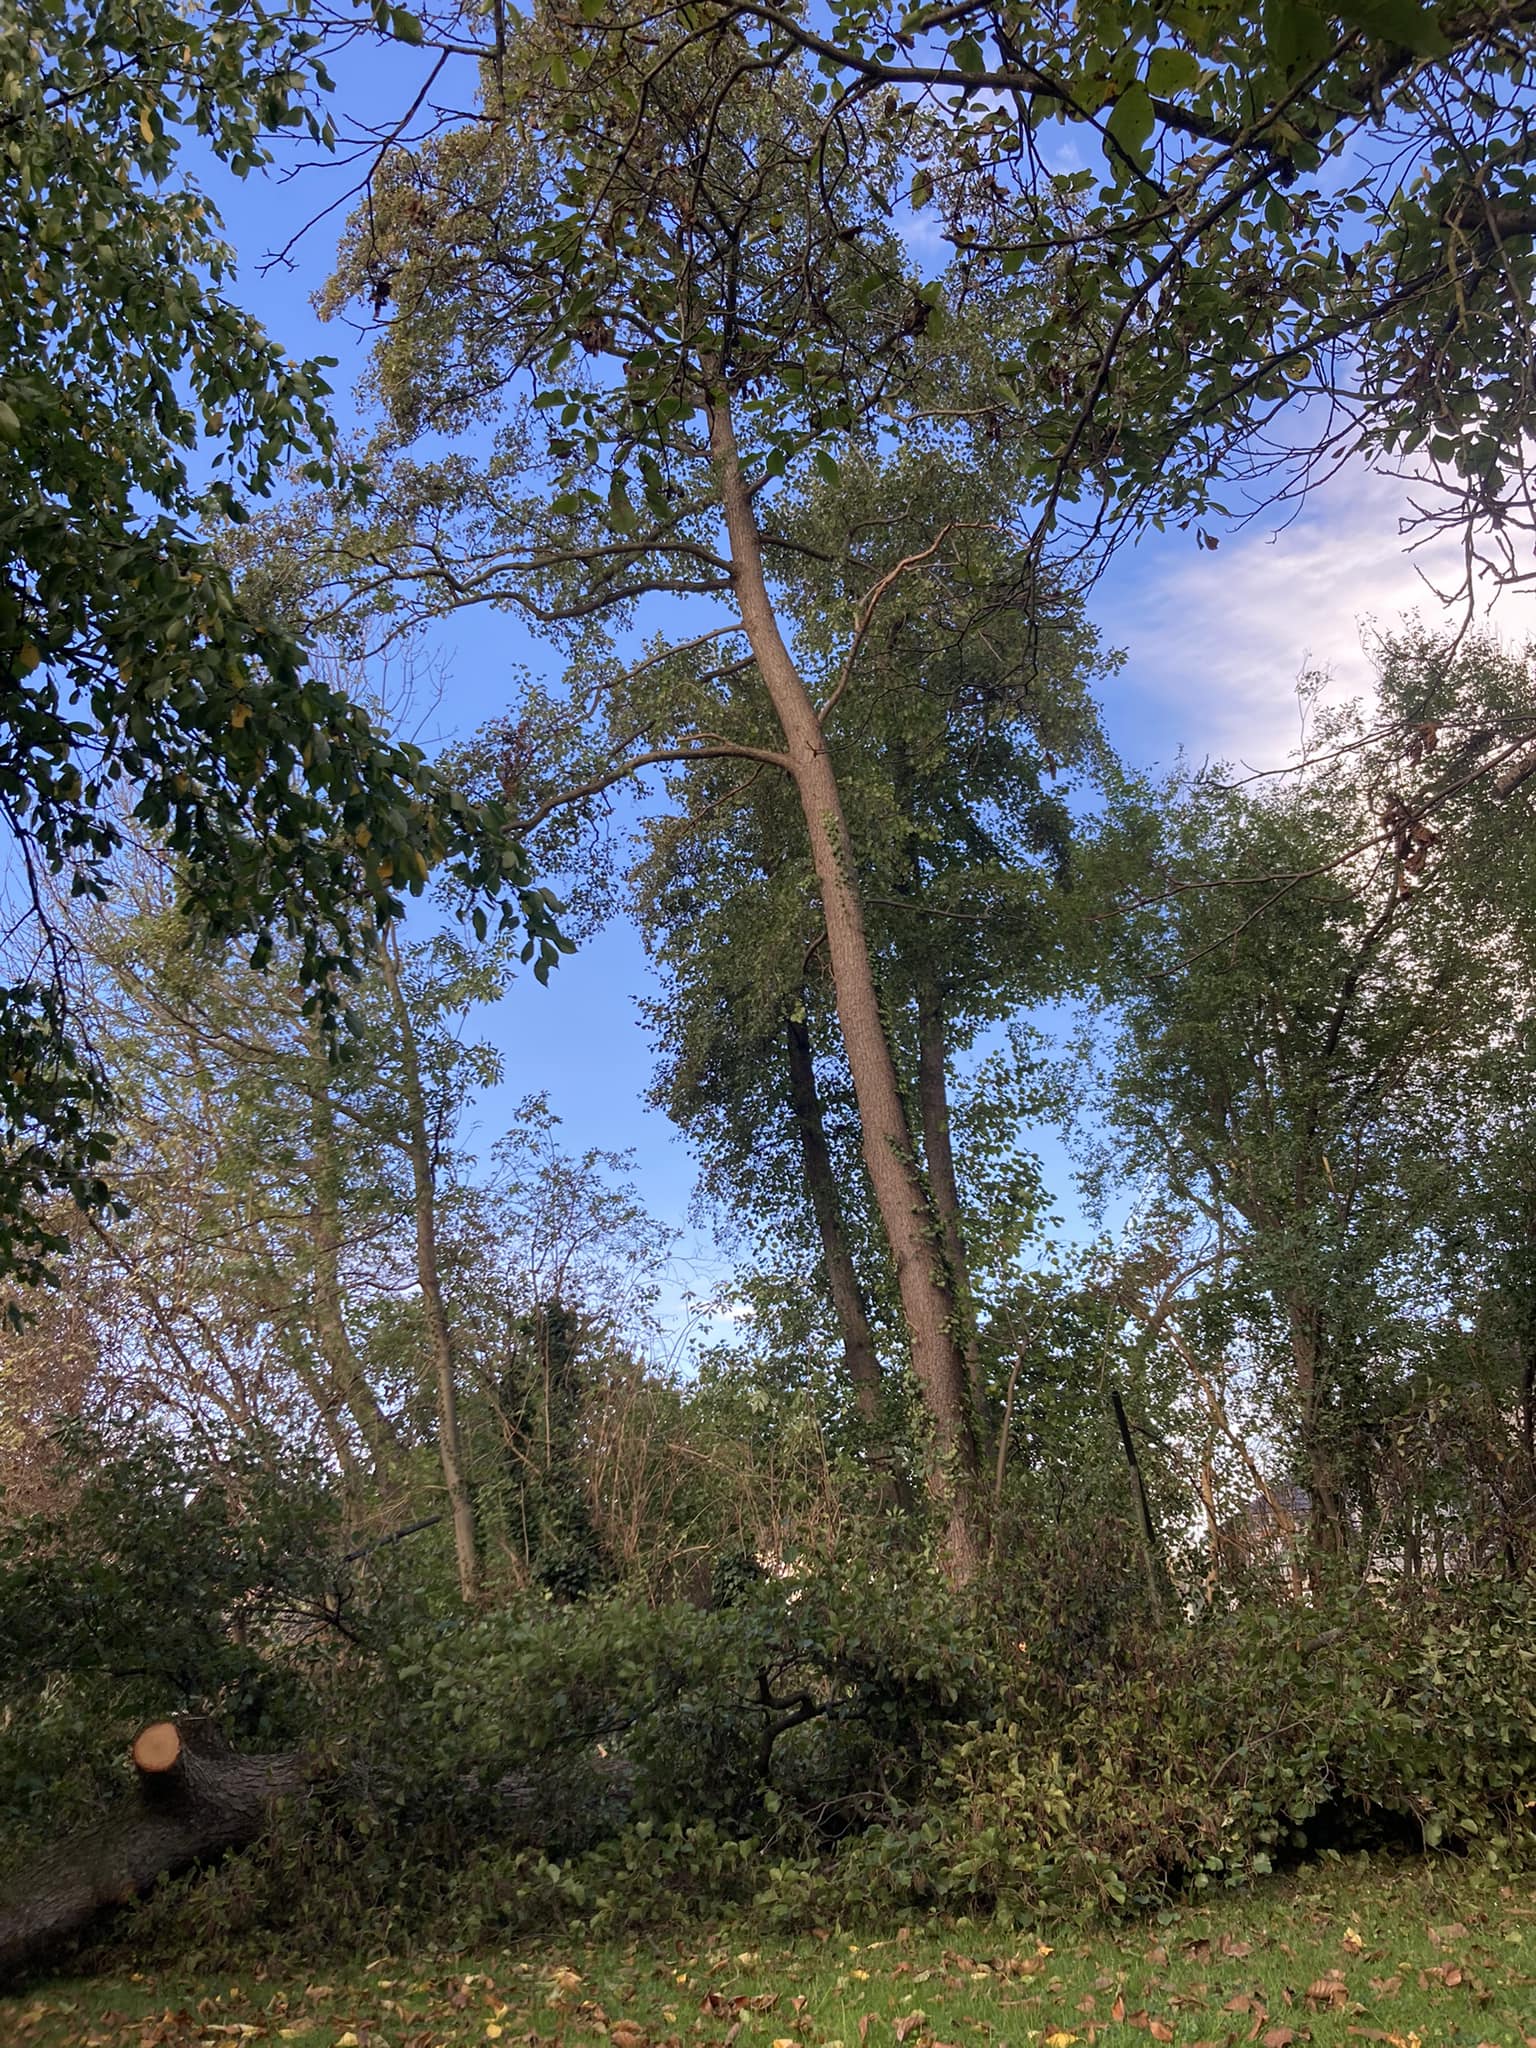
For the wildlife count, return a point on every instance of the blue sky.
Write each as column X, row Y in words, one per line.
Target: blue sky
column 1214, row 645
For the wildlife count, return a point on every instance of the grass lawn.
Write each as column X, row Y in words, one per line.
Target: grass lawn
column 1413, row 1954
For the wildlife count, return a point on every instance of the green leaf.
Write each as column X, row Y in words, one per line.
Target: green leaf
column 826, row 468
column 1171, row 71
column 967, row 56
column 406, row 26
column 1408, row 23
column 1131, row 123
column 1296, row 35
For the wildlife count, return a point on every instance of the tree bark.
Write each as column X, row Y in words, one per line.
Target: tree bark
column 859, row 1354
column 1146, row 1529
column 196, row 1802
column 429, row 1279
column 927, row 1298
column 1326, row 1530
column 939, row 1156
column 334, row 1341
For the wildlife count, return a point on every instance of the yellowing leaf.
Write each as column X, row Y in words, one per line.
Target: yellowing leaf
column 1059, row 2040
column 493, row 2030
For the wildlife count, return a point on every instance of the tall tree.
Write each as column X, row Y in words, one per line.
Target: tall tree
column 656, row 221
column 1248, row 209
column 1325, row 964
column 970, row 727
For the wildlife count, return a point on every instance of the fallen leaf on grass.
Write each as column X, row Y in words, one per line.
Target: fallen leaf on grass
column 1160, row 2030
column 1328, row 1993
column 1235, row 1950
column 913, row 2020
column 1443, row 1937
column 1353, row 1941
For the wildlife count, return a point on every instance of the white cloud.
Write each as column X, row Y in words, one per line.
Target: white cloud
column 1216, row 641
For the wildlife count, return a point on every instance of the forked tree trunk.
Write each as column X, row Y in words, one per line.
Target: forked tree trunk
column 429, row 1278
column 906, row 1215
column 197, row 1800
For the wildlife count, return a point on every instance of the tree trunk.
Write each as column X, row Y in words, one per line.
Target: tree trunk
column 1326, row 1528
column 334, row 1341
column 939, row 1156
column 859, row 1354
column 927, row 1299
column 1146, row 1529
column 196, row 1802
column 429, row 1279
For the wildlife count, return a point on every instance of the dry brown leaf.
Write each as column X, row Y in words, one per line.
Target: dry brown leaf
column 1443, row 1937
column 1236, row 1950
column 1277, row 2037
column 1328, row 1993
column 910, row 2023
column 1160, row 2030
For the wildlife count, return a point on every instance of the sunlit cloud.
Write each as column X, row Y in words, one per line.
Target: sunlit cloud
column 1216, row 642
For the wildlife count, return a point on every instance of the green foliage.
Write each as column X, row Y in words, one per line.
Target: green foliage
column 951, row 1767
column 136, row 678
column 153, row 1586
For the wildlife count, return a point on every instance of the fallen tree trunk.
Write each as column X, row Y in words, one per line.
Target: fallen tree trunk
column 197, row 1801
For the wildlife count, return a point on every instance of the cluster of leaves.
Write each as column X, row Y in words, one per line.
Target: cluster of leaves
column 151, row 1585
column 136, row 677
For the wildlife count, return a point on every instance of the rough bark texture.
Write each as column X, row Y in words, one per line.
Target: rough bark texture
column 191, row 1809
column 440, row 1336
column 927, row 1299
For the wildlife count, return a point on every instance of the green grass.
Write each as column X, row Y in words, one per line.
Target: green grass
column 1416, row 1954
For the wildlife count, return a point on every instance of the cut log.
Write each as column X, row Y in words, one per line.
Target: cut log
column 197, row 1801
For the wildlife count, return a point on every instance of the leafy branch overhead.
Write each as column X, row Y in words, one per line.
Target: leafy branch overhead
column 1243, row 213
column 137, row 403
